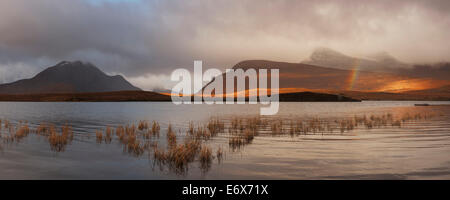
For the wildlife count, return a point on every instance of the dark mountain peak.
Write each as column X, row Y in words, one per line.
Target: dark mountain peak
column 65, row 70
column 74, row 65
column 68, row 77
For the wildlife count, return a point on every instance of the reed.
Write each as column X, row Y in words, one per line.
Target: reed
column 120, row 133
column 171, row 137
column 130, row 130
column 43, row 129
column 128, row 138
column 21, row 132
column 215, row 126
column 67, row 130
column 178, row 157
column 159, row 155
column 155, row 128
column 143, row 125
column 99, row 136
column 191, row 128
column 277, row 128
column 205, row 158
column 134, row 146
column 248, row 135
column 108, row 135
column 58, row 141
column 201, row 133
column 6, row 123
column 235, row 142
column 219, row 155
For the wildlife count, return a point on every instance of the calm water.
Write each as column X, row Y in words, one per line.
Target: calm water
column 417, row 150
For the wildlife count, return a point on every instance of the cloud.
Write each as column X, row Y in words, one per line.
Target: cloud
column 152, row 82
column 138, row 37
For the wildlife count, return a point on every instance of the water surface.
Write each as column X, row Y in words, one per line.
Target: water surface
column 419, row 149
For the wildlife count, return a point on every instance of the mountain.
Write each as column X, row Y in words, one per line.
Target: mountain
column 380, row 62
column 300, row 77
column 68, row 77
column 440, row 71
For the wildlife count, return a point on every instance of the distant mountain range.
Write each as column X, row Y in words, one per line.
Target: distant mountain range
column 380, row 62
column 69, row 77
column 298, row 76
column 353, row 83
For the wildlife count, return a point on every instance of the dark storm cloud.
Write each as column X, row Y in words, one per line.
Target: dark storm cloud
column 146, row 39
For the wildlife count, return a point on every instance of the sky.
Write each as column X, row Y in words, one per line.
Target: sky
column 146, row 40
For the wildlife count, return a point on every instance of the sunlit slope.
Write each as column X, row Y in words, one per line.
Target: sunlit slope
column 301, row 77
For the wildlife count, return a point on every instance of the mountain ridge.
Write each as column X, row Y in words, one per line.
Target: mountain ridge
column 379, row 62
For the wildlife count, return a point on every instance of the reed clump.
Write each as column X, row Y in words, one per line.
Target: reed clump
column 201, row 133
column 128, row 137
column 215, row 126
column 43, row 129
column 191, row 128
column 21, row 132
column 178, row 157
column 134, row 146
column 59, row 140
column 143, row 125
column 277, row 128
column 108, row 135
column 235, row 142
column 219, row 154
column 120, row 132
column 205, row 158
column 159, row 155
column 6, row 123
column 171, row 137
column 155, row 128
column 99, row 136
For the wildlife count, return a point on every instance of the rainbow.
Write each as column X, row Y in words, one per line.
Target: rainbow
column 353, row 74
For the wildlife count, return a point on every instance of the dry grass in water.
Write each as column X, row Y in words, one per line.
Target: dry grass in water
column 99, row 136
column 155, row 128
column 219, row 154
column 178, row 157
column 215, row 126
column 128, row 137
column 6, row 123
column 21, row 132
column 143, row 125
column 59, row 140
column 171, row 137
column 108, row 135
column 205, row 158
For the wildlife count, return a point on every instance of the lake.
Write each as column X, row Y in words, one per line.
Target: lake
column 419, row 148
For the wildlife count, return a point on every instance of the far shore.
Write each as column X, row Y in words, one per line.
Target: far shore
column 130, row 96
